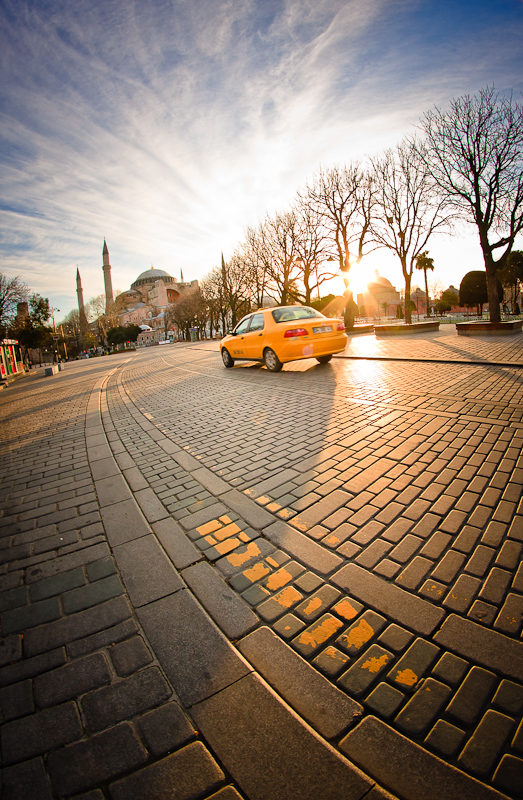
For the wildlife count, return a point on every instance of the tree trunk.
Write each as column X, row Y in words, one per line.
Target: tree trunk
column 492, row 290
column 427, row 294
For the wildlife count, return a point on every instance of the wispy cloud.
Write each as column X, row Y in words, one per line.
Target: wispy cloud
column 168, row 126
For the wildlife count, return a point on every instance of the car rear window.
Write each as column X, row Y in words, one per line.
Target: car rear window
column 295, row 312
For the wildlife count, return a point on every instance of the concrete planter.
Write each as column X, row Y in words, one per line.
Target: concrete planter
column 363, row 328
column 401, row 328
column 489, row 328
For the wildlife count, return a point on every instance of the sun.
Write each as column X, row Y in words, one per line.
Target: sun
column 357, row 278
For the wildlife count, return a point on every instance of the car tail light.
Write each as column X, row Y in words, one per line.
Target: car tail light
column 295, row 332
column 340, row 326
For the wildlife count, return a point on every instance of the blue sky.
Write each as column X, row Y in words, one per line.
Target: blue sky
column 168, row 126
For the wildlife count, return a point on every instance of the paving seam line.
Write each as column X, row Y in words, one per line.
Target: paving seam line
column 458, row 362
column 198, row 466
column 96, row 403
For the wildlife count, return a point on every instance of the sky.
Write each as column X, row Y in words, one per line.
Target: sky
column 169, row 126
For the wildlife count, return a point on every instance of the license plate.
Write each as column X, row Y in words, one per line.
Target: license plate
column 323, row 329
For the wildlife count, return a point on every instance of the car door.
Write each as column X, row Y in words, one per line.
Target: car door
column 253, row 338
column 237, row 345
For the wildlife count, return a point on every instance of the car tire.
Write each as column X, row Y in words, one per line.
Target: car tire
column 226, row 358
column 324, row 359
column 272, row 362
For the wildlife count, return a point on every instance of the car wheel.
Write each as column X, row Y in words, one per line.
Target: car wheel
column 272, row 362
column 226, row 358
column 324, row 359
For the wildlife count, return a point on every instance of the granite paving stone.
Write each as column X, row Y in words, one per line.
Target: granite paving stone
column 228, row 610
column 374, row 527
column 28, row 779
column 56, row 585
column 29, row 667
column 129, row 656
column 230, row 723
column 508, row 775
column 196, row 657
column 69, row 681
column 364, row 672
column 405, row 608
column 76, row 626
column 92, row 594
column 100, row 758
column 406, row 769
column 125, row 699
column 480, row 753
column 329, row 710
column 165, row 729
column 445, row 738
column 510, row 618
column 175, row 543
column 110, row 635
column 192, row 770
column 422, row 708
column 509, row 697
column 147, row 572
column 123, row 522
column 462, row 593
column 30, row 616
column 300, row 546
column 491, row 649
column 60, row 564
column 16, row 700
column 40, row 732
column 10, row 650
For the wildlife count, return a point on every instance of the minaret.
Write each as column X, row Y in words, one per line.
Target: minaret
column 107, row 278
column 81, row 307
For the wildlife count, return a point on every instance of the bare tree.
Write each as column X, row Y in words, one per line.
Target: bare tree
column 168, row 318
column 73, row 330
column 475, row 154
column 410, row 210
column 12, row 292
column 256, row 259
column 105, row 316
column 235, row 288
column 190, row 311
column 312, row 247
column 278, row 240
column 436, row 287
column 212, row 291
column 344, row 199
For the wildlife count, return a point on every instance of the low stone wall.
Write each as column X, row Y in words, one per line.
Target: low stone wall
column 399, row 328
column 489, row 328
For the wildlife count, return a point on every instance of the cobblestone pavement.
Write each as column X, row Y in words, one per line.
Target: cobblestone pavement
column 238, row 584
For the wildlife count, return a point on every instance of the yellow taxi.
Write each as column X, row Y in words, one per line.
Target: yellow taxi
column 285, row 333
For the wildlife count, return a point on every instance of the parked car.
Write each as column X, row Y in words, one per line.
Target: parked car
column 275, row 336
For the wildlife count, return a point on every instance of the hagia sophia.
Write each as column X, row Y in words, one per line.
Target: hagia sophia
column 379, row 295
column 144, row 303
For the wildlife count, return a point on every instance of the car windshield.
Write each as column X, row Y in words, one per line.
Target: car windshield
column 295, row 312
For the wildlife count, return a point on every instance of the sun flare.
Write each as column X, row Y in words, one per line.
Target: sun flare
column 358, row 278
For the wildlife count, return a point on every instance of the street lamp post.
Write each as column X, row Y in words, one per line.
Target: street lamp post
column 55, row 337
column 65, row 346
